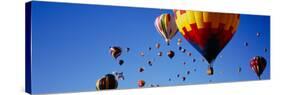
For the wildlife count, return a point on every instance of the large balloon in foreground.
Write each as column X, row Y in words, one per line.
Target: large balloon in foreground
column 141, row 83
column 115, row 51
column 208, row 32
column 258, row 64
column 171, row 54
column 107, row 82
column 165, row 25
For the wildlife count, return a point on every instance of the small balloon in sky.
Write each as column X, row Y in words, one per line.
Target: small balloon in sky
column 180, row 48
column 179, row 41
column 149, row 48
column 265, row 49
column 258, row 34
column 141, row 83
column 149, row 62
column 239, row 69
column 178, row 75
column 121, row 62
column 171, row 54
column 159, row 53
column 189, row 54
column 183, row 78
column 141, row 69
column 193, row 60
column 127, row 49
column 258, row 64
column 141, row 53
column 157, row 45
column 246, row 44
column 115, row 51
column 188, row 72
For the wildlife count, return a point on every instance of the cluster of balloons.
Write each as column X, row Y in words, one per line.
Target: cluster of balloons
column 207, row 32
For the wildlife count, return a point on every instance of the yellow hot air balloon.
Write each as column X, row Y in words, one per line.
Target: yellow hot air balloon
column 208, row 32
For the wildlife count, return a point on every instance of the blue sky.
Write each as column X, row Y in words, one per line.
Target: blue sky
column 70, row 49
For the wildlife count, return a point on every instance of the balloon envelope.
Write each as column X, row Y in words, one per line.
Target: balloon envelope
column 208, row 32
column 165, row 25
column 258, row 64
column 107, row 82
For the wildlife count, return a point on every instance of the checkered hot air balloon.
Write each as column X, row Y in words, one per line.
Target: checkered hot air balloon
column 165, row 25
column 208, row 32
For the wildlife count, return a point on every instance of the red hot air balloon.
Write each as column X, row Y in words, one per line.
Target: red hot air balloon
column 207, row 32
column 258, row 64
column 141, row 83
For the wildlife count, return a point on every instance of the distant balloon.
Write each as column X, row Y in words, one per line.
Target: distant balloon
column 107, row 82
column 184, row 63
column 121, row 62
column 166, row 26
column 170, row 79
column 141, row 53
column 128, row 49
column 141, row 83
column 180, row 48
column 239, row 69
column 258, row 64
column 171, row 54
column 151, row 85
column 115, row 51
column 188, row 72
column 149, row 48
column 159, row 53
column 141, row 69
column 183, row 78
column 265, row 49
column 178, row 75
column 258, row 34
column 149, row 63
column 246, row 44
column 157, row 45
column 210, row 71
column 179, row 41
column 189, row 54
column 119, row 75
column 193, row 60
column 183, row 50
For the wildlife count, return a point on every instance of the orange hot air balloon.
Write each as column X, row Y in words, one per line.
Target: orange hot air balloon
column 207, row 32
column 141, row 83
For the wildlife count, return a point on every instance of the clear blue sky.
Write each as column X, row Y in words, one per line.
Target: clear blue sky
column 70, row 45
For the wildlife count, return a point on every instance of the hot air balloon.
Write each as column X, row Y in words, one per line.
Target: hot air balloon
column 141, row 53
column 170, row 79
column 184, row 63
column 121, row 62
column 188, row 72
column 107, row 82
column 115, row 51
column 193, row 60
column 165, row 25
column 258, row 64
column 179, row 41
column 180, row 48
column 141, row 83
column 119, row 75
column 239, row 69
column 265, row 49
column 258, row 34
column 207, row 32
column 128, row 49
column 189, row 54
column 171, row 54
column 246, row 44
column 141, row 69
column 149, row 63
column 178, row 75
column 183, row 50
column 149, row 48
column 159, row 53
column 157, row 45
column 183, row 78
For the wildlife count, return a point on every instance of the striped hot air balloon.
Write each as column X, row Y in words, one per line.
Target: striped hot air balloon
column 165, row 25
column 107, row 82
column 208, row 32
